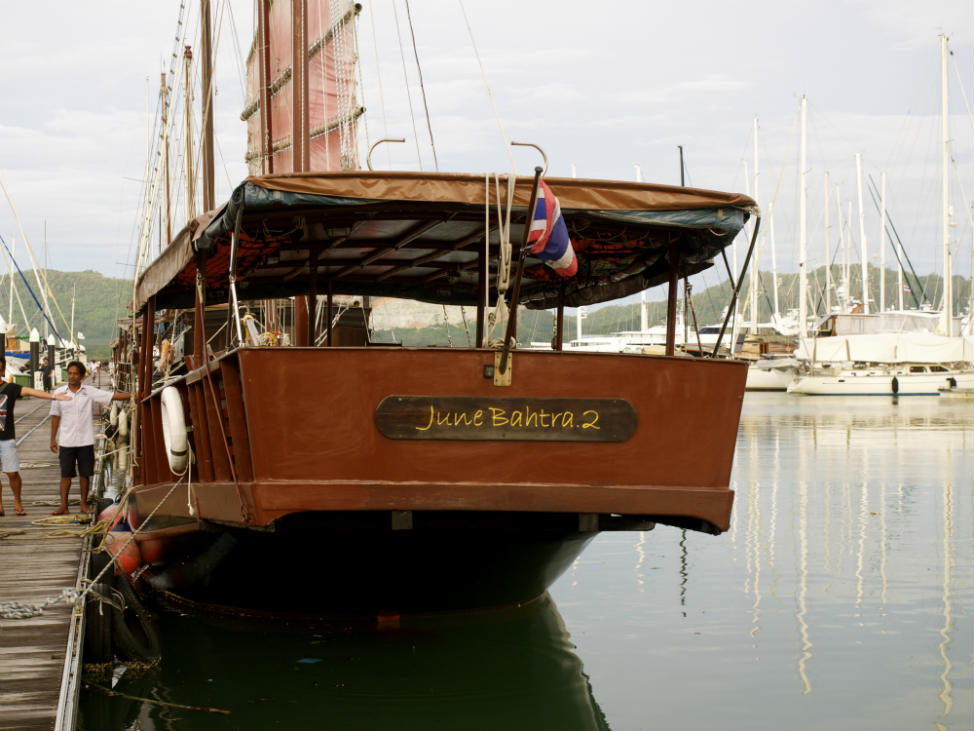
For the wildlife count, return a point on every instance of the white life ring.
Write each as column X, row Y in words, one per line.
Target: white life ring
column 174, row 429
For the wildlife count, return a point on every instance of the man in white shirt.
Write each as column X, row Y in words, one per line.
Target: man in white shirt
column 77, row 438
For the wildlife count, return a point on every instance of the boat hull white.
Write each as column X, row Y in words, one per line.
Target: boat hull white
column 767, row 375
column 879, row 382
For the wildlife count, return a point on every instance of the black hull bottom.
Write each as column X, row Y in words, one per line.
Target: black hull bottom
column 325, row 564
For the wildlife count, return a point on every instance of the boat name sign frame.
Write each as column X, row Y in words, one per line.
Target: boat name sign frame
column 467, row 418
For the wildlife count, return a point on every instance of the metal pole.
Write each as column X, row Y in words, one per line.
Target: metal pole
column 512, row 314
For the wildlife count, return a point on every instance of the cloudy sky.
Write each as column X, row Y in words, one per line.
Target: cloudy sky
column 602, row 87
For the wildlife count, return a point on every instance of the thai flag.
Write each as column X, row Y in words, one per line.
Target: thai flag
column 548, row 238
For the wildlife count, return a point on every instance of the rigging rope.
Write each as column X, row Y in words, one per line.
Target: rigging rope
column 483, row 73
column 26, row 284
column 45, row 288
column 409, row 97
column 446, row 325
column 499, row 313
column 13, row 291
column 422, row 88
column 361, row 85
column 378, row 73
column 338, row 55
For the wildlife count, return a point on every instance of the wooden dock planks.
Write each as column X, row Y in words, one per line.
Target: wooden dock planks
column 33, row 651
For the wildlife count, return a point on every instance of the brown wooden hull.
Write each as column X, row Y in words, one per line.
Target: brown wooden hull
column 386, row 478
column 280, row 431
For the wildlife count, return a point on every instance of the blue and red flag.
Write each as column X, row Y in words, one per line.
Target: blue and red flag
column 548, row 238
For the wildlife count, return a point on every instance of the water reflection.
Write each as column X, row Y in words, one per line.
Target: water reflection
column 832, row 602
column 841, row 597
column 505, row 668
column 894, row 466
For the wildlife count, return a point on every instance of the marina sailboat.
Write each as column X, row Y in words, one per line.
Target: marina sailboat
column 326, row 473
column 894, row 353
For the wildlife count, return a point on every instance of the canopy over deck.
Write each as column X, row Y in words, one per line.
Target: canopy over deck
column 422, row 236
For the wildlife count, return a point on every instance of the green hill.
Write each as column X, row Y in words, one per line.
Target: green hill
column 708, row 304
column 98, row 302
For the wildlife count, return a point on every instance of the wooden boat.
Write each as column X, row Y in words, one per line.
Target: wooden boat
column 325, row 472
column 363, row 476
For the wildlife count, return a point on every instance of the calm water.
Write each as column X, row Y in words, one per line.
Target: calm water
column 841, row 598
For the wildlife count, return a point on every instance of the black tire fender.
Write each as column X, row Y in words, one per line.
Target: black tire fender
column 98, row 624
column 133, row 633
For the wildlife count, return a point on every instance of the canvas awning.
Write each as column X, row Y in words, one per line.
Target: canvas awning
column 421, row 236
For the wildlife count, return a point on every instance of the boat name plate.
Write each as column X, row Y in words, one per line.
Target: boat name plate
column 506, row 419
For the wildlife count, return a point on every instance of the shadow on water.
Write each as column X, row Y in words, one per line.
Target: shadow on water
column 502, row 668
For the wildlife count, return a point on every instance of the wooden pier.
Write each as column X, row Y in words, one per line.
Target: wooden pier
column 39, row 655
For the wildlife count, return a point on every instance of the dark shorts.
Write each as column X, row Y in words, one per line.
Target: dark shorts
column 84, row 457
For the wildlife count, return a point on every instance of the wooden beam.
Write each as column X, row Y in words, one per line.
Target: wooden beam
column 300, row 120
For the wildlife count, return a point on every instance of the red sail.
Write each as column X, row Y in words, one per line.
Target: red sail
column 332, row 89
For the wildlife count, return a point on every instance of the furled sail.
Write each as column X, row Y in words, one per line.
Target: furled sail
column 331, row 101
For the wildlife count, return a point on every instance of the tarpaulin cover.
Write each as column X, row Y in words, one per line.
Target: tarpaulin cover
column 419, row 236
column 906, row 347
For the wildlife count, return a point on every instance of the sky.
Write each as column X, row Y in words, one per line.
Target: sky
column 608, row 90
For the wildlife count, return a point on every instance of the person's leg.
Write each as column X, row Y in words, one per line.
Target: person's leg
column 15, row 485
column 66, row 457
column 10, row 465
column 65, row 486
column 83, row 481
column 86, row 468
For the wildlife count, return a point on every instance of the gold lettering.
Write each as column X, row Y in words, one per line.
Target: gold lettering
column 462, row 419
column 498, row 416
column 478, row 417
column 443, row 419
column 429, row 423
column 531, row 416
column 545, row 414
column 593, row 419
column 517, row 417
column 568, row 420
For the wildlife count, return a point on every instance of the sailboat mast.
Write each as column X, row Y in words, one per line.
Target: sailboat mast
column 74, row 291
column 899, row 272
column 945, row 186
column 304, row 307
column 774, row 259
column 10, row 271
column 828, row 251
column 754, row 267
column 206, row 64
column 803, row 236
column 882, row 242
column 847, row 253
column 264, row 76
column 300, row 117
column 164, row 106
column 188, row 162
column 47, row 324
column 862, row 237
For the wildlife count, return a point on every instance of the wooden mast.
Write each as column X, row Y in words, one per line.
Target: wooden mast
column 206, row 64
column 300, row 144
column 948, row 315
column 188, row 165
column 264, row 71
column 164, row 92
